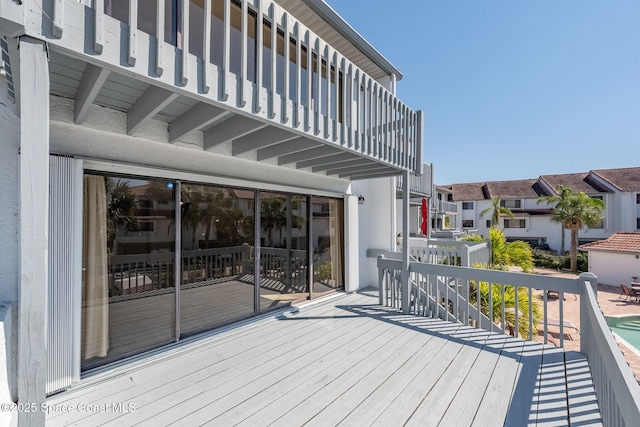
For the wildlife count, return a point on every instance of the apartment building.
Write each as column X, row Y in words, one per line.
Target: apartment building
column 619, row 189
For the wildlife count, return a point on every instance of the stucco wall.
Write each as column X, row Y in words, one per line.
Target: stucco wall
column 614, row 268
column 9, row 196
column 376, row 224
column 9, row 248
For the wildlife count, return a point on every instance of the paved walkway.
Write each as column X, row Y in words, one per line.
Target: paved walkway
column 610, row 304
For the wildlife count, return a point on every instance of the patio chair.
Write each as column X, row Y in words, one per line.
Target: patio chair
column 628, row 292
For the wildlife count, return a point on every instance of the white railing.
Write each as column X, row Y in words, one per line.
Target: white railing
column 226, row 52
column 616, row 388
column 446, row 207
column 450, row 252
column 476, row 297
column 418, row 184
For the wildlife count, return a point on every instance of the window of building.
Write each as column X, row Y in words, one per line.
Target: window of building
column 638, row 198
column 467, row 205
column 467, row 223
column 515, row 223
column 511, row 204
column 638, row 223
column 601, row 223
column 488, row 223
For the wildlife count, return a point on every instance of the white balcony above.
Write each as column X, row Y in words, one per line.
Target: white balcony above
column 284, row 97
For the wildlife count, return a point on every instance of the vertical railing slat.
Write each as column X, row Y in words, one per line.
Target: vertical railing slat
column 206, row 46
column 298, row 107
column 226, row 50
column 318, row 99
column 259, row 54
column 185, row 42
column 98, row 42
column 287, row 58
column 308, row 114
column 274, row 50
column 58, row 18
column 243, row 52
column 160, row 37
column 133, row 31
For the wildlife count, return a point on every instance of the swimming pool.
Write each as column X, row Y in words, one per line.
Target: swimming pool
column 627, row 328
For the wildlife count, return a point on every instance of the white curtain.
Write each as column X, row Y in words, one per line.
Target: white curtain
column 95, row 293
column 336, row 213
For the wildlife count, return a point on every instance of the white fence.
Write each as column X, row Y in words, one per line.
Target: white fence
column 476, row 297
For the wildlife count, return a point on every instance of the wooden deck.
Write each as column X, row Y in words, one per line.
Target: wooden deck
column 341, row 361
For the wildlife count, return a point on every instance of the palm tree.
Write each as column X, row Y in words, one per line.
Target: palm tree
column 564, row 193
column 272, row 215
column 509, row 297
column 504, row 254
column 497, row 210
column 122, row 205
column 576, row 212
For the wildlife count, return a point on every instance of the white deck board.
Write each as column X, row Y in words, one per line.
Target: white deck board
column 492, row 409
column 345, row 361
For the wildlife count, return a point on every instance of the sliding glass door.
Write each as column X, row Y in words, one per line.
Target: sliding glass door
column 327, row 228
column 217, row 247
column 283, row 249
column 128, row 292
column 143, row 237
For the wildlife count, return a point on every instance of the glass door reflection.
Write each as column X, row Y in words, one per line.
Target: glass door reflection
column 283, row 249
column 217, row 284
column 128, row 292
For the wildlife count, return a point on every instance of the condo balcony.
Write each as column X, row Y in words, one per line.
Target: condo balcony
column 255, row 80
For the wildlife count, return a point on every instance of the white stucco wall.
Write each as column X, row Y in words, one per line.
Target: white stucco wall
column 9, row 196
column 414, row 218
column 613, row 268
column 9, row 247
column 376, row 224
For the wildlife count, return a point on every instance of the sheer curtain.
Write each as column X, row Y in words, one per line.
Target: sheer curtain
column 95, row 293
column 336, row 213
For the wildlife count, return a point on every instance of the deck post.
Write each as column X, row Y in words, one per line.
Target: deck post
column 34, row 221
column 405, row 242
column 584, row 315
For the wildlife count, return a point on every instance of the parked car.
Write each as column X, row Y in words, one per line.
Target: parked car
column 541, row 246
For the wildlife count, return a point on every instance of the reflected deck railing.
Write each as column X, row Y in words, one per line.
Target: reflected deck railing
column 132, row 276
column 452, row 293
column 225, row 52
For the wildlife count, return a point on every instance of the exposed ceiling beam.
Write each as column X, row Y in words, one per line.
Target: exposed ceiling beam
column 368, row 175
column 288, row 147
column 326, row 160
column 342, row 163
column 152, row 101
column 312, row 153
column 232, row 128
column 196, row 118
column 89, row 88
column 371, row 167
column 262, row 138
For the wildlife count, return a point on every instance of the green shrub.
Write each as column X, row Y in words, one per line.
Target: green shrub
column 545, row 259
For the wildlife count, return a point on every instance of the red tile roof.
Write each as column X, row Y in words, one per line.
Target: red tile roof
column 618, row 242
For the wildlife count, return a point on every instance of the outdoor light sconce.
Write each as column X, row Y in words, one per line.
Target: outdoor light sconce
column 361, row 199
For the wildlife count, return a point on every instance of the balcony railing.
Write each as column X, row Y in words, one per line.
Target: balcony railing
column 468, row 296
column 419, row 185
column 446, row 207
column 450, row 252
column 251, row 56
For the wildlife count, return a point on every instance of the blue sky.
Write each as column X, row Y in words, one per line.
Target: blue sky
column 514, row 89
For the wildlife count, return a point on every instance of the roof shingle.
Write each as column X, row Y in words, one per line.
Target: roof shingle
column 628, row 242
